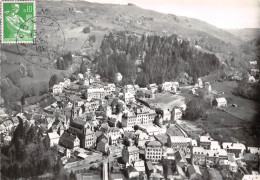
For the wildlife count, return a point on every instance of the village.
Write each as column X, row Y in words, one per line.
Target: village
column 123, row 133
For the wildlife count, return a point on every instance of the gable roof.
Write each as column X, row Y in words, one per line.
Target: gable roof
column 68, row 137
column 192, row 169
column 53, row 135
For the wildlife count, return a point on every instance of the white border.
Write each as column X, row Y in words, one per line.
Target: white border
column 2, row 25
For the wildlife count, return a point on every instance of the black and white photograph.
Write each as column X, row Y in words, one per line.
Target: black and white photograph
column 130, row 89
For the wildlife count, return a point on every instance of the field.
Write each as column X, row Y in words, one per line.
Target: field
column 165, row 101
column 237, row 123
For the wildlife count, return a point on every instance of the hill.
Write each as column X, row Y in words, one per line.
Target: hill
column 247, row 34
column 99, row 20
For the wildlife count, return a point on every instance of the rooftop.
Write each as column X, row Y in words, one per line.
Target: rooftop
column 153, row 144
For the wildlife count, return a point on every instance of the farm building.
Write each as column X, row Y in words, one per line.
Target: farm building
column 219, row 102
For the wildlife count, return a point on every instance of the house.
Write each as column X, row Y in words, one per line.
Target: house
column 113, row 140
column 253, row 63
column 2, row 129
column 153, row 151
column 129, row 89
column 97, row 93
column 130, row 154
column 251, row 160
column 200, row 83
column 15, row 121
column 167, row 86
column 142, row 138
column 129, row 119
column 166, row 115
column 80, row 76
column 236, row 148
column 67, row 82
column 219, row 102
column 233, row 167
column 194, row 172
column 52, row 139
column 214, row 145
column 8, row 125
column 57, row 89
column 132, row 172
column 176, row 113
column 152, row 87
column 144, row 115
column 223, row 163
column 139, row 166
column 103, row 146
column 205, row 141
column 69, row 141
column 129, row 97
column 198, row 156
column 47, row 122
column 89, row 139
column 178, row 143
column 254, row 72
column 114, row 132
column 211, row 157
column 254, row 150
column 251, row 79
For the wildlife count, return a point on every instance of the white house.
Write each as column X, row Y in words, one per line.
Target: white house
column 167, row 86
column 153, row 87
column 129, row 97
column 53, row 138
column 200, row 84
column 57, row 89
column 177, row 114
column 80, row 76
column 129, row 89
column 251, row 79
column 219, row 102
column 67, row 82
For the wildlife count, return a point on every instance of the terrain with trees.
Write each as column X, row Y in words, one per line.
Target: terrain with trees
column 162, row 58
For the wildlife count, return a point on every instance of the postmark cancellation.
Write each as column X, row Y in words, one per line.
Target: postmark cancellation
column 18, row 21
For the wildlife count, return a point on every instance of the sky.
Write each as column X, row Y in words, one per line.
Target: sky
column 225, row 14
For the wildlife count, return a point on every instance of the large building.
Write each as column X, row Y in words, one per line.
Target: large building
column 140, row 116
column 89, row 139
column 153, row 151
column 130, row 154
column 198, row 156
column 69, row 141
column 178, row 143
column 98, row 93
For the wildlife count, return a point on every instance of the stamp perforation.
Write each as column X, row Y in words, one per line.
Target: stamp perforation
column 2, row 23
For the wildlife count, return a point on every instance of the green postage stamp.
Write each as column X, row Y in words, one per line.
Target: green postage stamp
column 18, row 21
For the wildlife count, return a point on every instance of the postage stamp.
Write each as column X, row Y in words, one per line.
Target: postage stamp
column 18, row 21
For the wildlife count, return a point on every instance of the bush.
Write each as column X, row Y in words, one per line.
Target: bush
column 86, row 30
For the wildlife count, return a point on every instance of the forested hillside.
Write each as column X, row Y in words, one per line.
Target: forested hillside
column 151, row 59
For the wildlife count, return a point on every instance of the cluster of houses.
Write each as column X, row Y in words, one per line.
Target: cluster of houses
column 90, row 115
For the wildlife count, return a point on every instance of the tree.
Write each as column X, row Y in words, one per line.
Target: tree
column 86, row 30
column 83, row 67
column 72, row 176
column 195, row 109
column 53, row 80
